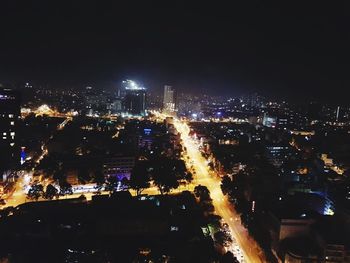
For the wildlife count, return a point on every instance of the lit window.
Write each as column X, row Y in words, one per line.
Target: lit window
column 12, row 133
column 4, row 133
column 10, row 115
column 174, row 228
column 12, row 144
column 12, row 123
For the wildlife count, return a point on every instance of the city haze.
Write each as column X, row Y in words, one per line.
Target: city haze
column 297, row 50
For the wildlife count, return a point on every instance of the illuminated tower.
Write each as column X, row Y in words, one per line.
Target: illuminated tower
column 134, row 99
column 9, row 114
column 169, row 99
column 337, row 114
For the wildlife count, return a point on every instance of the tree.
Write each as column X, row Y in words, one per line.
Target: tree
column 202, row 193
column 111, row 184
column 223, row 238
column 83, row 175
column 226, row 185
column 125, row 182
column 164, row 176
column 51, row 192
column 228, row 257
column 189, row 177
column 99, row 180
column 65, row 188
column 211, row 165
column 214, row 221
column 58, row 174
column 140, row 178
column 165, row 182
column 35, row 192
column 48, row 165
column 179, row 168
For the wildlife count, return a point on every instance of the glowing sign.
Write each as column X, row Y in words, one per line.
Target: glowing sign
column 147, row 131
column 23, row 155
column 132, row 85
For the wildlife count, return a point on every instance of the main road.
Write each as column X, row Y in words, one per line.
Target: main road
column 251, row 251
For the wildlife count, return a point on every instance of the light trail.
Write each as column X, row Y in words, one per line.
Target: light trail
column 204, row 176
column 64, row 123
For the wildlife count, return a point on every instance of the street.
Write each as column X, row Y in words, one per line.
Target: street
column 251, row 251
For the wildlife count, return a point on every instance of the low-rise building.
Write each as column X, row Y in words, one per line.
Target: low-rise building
column 119, row 166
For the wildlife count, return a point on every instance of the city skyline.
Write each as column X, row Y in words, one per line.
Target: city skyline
column 295, row 51
column 171, row 132
column 233, row 168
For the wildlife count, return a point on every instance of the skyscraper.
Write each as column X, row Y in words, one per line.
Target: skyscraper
column 337, row 114
column 134, row 101
column 9, row 114
column 169, row 105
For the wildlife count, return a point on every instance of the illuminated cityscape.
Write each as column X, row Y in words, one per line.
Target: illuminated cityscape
column 168, row 133
column 9, row 114
column 169, row 99
column 134, row 98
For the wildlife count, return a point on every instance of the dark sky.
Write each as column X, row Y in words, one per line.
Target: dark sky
column 283, row 48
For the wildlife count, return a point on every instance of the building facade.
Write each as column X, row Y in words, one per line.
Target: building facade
column 119, row 167
column 134, row 99
column 9, row 114
column 169, row 99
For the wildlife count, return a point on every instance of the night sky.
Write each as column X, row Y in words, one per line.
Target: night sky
column 298, row 49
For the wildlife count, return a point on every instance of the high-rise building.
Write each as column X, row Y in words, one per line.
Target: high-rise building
column 134, row 100
column 9, row 114
column 169, row 104
column 253, row 100
column 339, row 114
